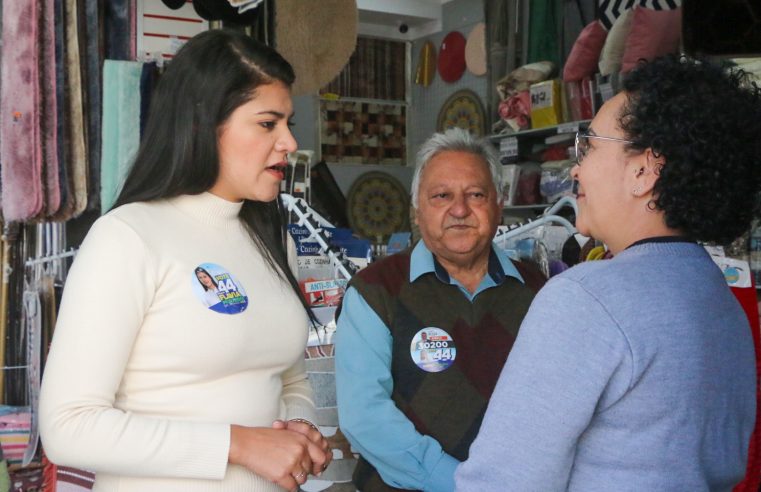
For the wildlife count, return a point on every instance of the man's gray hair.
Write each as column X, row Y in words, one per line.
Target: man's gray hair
column 457, row 140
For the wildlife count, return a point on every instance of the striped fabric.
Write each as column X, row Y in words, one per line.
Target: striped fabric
column 15, row 424
column 609, row 10
column 73, row 480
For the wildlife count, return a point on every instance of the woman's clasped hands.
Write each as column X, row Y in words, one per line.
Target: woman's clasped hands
column 284, row 454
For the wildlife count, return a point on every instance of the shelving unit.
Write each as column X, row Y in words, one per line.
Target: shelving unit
column 533, row 206
column 509, row 144
column 569, row 127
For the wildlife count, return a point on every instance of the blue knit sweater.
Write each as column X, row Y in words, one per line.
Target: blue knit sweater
column 632, row 374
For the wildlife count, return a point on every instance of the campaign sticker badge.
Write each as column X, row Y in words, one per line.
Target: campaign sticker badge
column 218, row 290
column 432, row 349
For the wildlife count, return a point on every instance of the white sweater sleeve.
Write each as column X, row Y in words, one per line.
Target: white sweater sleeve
column 297, row 392
column 108, row 292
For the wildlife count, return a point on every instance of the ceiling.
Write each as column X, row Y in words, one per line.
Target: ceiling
column 399, row 19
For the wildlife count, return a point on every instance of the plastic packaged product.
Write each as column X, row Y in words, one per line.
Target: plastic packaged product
column 556, row 181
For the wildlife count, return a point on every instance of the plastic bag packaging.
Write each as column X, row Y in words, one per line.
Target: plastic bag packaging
column 556, row 181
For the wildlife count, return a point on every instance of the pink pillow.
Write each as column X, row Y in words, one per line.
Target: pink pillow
column 582, row 60
column 653, row 33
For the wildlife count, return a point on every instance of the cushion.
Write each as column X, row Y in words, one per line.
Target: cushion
column 582, row 60
column 613, row 50
column 653, row 33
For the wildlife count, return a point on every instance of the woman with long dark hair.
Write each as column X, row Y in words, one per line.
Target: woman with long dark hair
column 146, row 383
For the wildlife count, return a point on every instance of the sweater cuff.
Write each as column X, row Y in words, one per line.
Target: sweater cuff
column 205, row 451
column 300, row 408
column 442, row 476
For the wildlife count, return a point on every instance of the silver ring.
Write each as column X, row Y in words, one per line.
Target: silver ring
column 299, row 475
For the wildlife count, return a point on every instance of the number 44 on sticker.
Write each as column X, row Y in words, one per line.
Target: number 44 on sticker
column 442, row 354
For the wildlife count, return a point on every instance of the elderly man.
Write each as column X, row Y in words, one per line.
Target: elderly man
column 423, row 334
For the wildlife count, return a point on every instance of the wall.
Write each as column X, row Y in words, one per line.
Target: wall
column 458, row 15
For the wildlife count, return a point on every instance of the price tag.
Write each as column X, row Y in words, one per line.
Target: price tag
column 571, row 127
column 541, row 95
column 508, row 147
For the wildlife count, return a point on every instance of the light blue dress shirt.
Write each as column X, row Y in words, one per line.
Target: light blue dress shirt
column 368, row 416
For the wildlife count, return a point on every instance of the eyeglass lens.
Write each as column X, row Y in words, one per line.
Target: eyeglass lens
column 582, row 145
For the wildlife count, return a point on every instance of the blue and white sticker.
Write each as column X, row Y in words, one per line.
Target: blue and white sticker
column 218, row 290
column 432, row 349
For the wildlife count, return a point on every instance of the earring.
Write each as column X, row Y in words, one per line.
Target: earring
column 635, row 191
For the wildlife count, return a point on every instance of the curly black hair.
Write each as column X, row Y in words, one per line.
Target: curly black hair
column 704, row 118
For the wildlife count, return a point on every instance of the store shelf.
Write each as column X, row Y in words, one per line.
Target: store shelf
column 527, row 207
column 569, row 127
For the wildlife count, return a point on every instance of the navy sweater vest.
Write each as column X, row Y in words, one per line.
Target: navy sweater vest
column 447, row 405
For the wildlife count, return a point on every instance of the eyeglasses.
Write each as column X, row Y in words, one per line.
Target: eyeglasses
column 582, row 143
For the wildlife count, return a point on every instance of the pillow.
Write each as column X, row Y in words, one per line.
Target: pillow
column 615, row 44
column 582, row 60
column 653, row 33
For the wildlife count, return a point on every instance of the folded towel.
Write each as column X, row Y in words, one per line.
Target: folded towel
column 118, row 29
column 20, row 145
column 49, row 114
column 75, row 120
column 121, row 126
column 93, row 59
column 67, row 196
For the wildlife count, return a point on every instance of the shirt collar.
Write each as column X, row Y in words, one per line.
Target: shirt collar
column 422, row 261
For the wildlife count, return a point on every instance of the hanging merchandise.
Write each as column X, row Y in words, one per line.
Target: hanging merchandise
column 244, row 5
column 121, row 125
column 75, row 111
column 463, row 109
column 426, row 65
column 48, row 108
column 174, row 4
column 64, row 183
column 42, row 100
column 117, row 26
column 5, row 479
column 93, row 61
column 475, row 50
column 20, row 145
column 378, row 205
column 13, row 380
column 224, row 11
column 33, row 332
column 316, row 51
column 754, row 248
column 451, row 62
column 544, row 19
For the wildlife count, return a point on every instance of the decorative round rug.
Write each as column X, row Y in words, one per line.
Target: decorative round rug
column 463, row 110
column 377, row 205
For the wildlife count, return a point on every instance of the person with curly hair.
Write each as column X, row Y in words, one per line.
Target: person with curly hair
column 638, row 373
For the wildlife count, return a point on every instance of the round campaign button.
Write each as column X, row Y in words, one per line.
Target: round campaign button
column 218, row 289
column 432, row 349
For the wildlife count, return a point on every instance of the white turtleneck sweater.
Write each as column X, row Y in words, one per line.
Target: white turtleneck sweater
column 143, row 379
